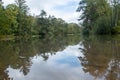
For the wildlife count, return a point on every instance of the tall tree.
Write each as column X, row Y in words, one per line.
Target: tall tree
column 93, row 14
column 43, row 14
column 22, row 15
column 4, row 21
column 11, row 13
column 115, row 4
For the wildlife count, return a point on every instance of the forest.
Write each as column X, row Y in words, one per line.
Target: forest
column 96, row 17
column 16, row 20
column 99, row 16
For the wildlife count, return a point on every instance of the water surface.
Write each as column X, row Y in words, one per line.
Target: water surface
column 60, row 58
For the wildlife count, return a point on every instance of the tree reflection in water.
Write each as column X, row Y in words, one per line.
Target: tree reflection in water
column 101, row 57
column 18, row 53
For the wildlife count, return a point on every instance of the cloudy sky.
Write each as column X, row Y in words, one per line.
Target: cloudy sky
column 65, row 9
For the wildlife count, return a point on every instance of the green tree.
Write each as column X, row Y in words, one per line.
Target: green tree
column 115, row 4
column 97, row 21
column 43, row 23
column 22, row 17
column 11, row 13
column 73, row 28
column 4, row 22
column 43, row 14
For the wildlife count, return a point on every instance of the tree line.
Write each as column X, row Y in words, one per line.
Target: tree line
column 15, row 19
column 99, row 16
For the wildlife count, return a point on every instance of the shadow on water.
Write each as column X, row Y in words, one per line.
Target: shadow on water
column 18, row 54
column 101, row 57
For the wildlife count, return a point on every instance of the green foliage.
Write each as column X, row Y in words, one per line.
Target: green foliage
column 115, row 12
column 22, row 17
column 73, row 28
column 104, row 17
column 43, row 14
column 4, row 22
column 11, row 13
column 116, row 30
column 15, row 20
column 102, row 26
column 52, row 26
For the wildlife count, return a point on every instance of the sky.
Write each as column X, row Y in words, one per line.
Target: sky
column 65, row 9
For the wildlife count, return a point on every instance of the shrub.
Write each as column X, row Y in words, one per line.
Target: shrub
column 116, row 30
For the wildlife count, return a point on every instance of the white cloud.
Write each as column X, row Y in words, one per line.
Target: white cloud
column 8, row 1
column 50, row 7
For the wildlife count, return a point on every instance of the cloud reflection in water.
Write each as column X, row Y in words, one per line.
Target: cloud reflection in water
column 62, row 66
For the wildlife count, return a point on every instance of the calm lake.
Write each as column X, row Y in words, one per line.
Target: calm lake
column 61, row 58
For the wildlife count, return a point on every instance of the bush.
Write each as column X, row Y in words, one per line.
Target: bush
column 116, row 30
column 102, row 26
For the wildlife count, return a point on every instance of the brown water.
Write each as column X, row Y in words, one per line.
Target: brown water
column 63, row 58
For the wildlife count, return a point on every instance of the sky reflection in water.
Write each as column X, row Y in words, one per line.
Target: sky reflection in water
column 94, row 58
column 88, row 60
column 65, row 65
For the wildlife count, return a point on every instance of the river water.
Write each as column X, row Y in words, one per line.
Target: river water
column 61, row 58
